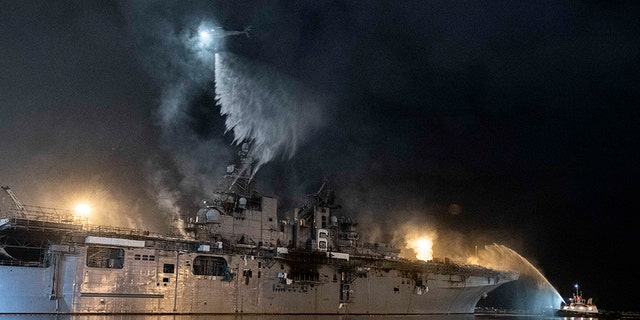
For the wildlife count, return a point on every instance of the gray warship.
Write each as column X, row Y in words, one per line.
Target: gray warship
column 237, row 257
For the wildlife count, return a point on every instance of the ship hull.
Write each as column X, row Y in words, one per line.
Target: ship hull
column 235, row 257
column 153, row 281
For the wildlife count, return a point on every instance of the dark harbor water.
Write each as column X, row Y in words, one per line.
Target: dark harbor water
column 302, row 317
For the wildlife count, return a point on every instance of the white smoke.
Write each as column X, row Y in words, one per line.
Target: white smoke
column 272, row 112
column 265, row 107
column 167, row 199
column 191, row 163
column 190, row 70
column 185, row 66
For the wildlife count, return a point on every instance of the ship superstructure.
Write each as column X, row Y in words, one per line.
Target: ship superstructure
column 238, row 258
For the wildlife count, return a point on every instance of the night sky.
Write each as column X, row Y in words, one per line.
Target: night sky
column 510, row 122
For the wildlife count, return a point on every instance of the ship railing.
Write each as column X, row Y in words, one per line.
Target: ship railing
column 46, row 214
column 255, row 250
column 435, row 267
column 118, row 230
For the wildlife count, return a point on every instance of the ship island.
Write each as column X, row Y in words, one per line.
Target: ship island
column 236, row 255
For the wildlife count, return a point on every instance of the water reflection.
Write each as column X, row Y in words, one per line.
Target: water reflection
column 239, row 317
column 501, row 316
column 302, row 317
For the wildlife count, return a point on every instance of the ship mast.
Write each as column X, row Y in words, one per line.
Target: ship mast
column 241, row 173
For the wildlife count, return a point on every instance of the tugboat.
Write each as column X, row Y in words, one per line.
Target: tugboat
column 579, row 307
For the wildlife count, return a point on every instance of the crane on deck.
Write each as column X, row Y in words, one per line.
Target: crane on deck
column 16, row 202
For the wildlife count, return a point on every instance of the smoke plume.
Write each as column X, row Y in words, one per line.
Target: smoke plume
column 204, row 98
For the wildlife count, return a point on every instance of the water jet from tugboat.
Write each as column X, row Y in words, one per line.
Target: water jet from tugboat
column 545, row 296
